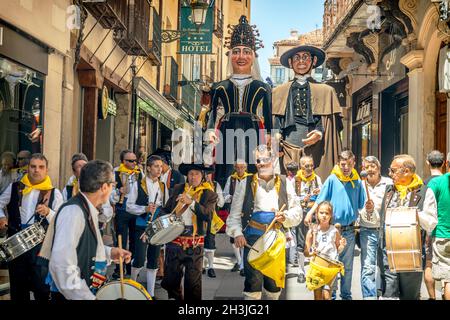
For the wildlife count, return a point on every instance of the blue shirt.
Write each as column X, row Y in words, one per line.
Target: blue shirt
column 345, row 199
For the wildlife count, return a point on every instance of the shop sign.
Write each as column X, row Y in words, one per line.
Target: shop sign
column 112, row 107
column 196, row 40
column 151, row 108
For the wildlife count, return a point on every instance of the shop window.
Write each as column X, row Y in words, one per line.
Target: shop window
column 21, row 108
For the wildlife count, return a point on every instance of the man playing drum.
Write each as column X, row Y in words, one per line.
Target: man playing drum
column 32, row 200
column 195, row 202
column 253, row 208
column 237, row 180
column 144, row 199
column 406, row 192
column 78, row 258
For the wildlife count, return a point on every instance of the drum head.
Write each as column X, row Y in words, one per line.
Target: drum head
column 166, row 235
column 132, row 291
column 262, row 245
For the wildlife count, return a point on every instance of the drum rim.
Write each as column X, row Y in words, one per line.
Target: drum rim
column 173, row 226
column 131, row 283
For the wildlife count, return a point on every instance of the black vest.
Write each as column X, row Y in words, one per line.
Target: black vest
column 14, row 220
column 87, row 245
column 69, row 190
column 249, row 200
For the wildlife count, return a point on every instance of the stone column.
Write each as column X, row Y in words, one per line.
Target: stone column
column 416, row 108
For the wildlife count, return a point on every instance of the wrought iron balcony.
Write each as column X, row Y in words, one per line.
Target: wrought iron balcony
column 155, row 41
column 218, row 23
column 111, row 14
column 135, row 38
column 190, row 96
column 171, row 79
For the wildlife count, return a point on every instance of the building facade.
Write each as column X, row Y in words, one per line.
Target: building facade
column 387, row 54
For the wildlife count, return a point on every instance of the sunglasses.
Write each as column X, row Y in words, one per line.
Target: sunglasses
column 20, row 159
column 131, row 161
column 263, row 160
column 304, row 57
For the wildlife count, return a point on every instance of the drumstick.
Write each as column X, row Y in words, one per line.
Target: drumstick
column 122, row 289
column 178, row 204
column 274, row 220
column 251, row 248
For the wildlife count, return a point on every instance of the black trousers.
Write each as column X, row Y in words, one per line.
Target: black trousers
column 27, row 275
column 143, row 250
column 210, row 239
column 402, row 285
column 192, row 261
column 126, row 226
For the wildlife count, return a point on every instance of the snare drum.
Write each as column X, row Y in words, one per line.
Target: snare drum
column 132, row 291
column 403, row 240
column 322, row 271
column 164, row 229
column 22, row 242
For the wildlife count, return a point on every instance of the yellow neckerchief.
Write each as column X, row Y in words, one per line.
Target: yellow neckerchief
column 301, row 177
column 255, row 184
column 43, row 186
column 235, row 176
column 196, row 194
column 123, row 169
column 354, row 176
column 75, row 186
column 403, row 190
column 144, row 186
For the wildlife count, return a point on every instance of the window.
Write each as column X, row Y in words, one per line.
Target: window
column 279, row 75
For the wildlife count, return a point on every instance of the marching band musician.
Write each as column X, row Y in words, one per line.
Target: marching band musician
column 145, row 197
column 169, row 176
column 237, row 180
column 369, row 222
column 197, row 201
column 23, row 159
column 210, row 238
column 253, row 209
column 79, row 160
column 406, row 191
column 77, row 257
column 307, row 187
column 32, row 200
column 126, row 174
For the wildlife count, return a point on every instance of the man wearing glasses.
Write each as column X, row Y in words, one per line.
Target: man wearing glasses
column 126, row 174
column 255, row 205
column 307, row 113
column 408, row 190
column 240, row 105
column 23, row 159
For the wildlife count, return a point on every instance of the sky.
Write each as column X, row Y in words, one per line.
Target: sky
column 276, row 18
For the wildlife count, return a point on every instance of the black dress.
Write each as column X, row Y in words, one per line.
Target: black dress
column 255, row 113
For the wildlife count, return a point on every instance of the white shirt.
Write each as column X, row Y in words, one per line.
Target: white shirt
column 220, row 198
column 241, row 81
column 226, row 191
column 29, row 203
column 153, row 191
column 165, row 176
column 266, row 199
column 376, row 195
column 68, row 230
column 302, row 79
column 306, row 188
column 326, row 242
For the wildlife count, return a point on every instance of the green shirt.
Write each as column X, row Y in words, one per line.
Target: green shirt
column 441, row 189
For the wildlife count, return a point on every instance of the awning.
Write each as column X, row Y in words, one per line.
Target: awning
column 155, row 104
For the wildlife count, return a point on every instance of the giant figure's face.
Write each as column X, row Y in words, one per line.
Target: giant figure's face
column 242, row 59
column 302, row 62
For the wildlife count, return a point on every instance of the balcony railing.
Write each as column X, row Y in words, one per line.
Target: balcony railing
column 218, row 23
column 334, row 12
column 110, row 13
column 154, row 42
column 136, row 40
column 190, row 97
column 171, row 79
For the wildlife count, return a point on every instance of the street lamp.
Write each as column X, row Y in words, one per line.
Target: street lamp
column 199, row 11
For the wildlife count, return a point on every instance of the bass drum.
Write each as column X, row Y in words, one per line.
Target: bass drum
column 132, row 291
